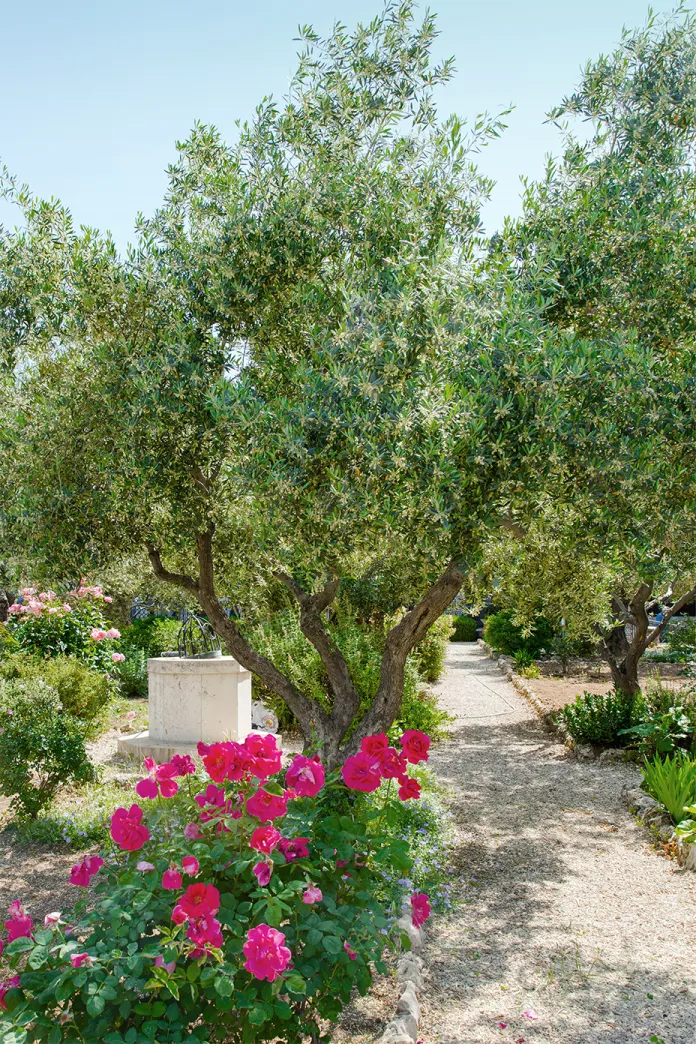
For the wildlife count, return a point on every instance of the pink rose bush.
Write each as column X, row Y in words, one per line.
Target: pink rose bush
column 244, row 898
column 72, row 623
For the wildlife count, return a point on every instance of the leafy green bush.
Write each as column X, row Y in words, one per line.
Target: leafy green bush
column 131, row 673
column 42, row 747
column 506, row 637
column 420, row 710
column 681, row 638
column 464, row 629
column 82, row 691
column 529, row 672
column 429, row 654
column 599, row 718
column 672, row 782
column 661, row 732
column 154, row 635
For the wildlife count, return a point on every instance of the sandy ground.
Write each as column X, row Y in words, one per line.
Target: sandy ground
column 555, row 693
column 565, row 908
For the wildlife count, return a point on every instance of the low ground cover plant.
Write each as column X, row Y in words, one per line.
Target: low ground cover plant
column 236, row 903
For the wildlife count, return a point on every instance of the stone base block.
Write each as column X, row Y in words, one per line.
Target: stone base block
column 143, row 745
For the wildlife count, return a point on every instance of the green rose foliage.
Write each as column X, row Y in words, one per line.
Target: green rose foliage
column 129, row 971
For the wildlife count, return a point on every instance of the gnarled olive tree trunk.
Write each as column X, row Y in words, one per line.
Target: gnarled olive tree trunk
column 325, row 729
column 624, row 644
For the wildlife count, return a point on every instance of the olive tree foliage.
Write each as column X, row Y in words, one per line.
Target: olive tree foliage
column 304, row 375
column 612, row 228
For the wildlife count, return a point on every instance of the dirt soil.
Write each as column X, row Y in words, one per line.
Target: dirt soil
column 555, row 693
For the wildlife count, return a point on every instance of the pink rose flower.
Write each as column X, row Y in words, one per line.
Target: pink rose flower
column 179, row 915
column 295, row 849
column 128, row 830
column 262, row 872
column 305, row 776
column 144, row 866
column 312, row 895
column 263, row 753
column 266, row 955
column 82, row 873
column 409, row 788
column 8, row 984
column 265, row 806
column 113, row 633
column 265, row 839
column 171, row 880
column 159, row 780
column 349, row 950
column 191, row 831
column 392, row 764
column 51, row 920
column 420, row 909
column 206, row 933
column 362, row 772
column 226, row 760
column 200, row 900
column 67, row 608
column 415, row 746
column 108, row 599
column 375, row 746
column 169, row 967
column 190, row 865
column 115, row 657
column 97, row 634
column 183, row 765
column 79, row 960
column 20, row 923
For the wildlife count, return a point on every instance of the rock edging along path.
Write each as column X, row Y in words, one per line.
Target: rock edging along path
column 566, row 913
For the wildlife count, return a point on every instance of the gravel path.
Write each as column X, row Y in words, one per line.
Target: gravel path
column 566, row 909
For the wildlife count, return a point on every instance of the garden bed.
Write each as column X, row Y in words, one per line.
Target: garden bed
column 555, row 692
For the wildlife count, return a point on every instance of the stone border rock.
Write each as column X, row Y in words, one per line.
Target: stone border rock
column 507, row 666
column 403, row 1028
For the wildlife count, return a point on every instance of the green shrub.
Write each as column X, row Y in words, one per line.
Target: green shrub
column 530, row 672
column 429, row 654
column 131, row 673
column 681, row 638
column 153, row 634
column 82, row 691
column 464, row 629
column 42, row 747
column 661, row 731
column 420, row 710
column 672, row 782
column 506, row 637
column 599, row 718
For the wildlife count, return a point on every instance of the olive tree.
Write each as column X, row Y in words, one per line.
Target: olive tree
column 306, row 369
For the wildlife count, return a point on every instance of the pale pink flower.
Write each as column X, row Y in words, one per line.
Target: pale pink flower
column 52, row 920
column 312, row 895
column 169, row 967
column 144, row 866
column 116, row 657
column 113, row 633
column 108, row 599
column 97, row 634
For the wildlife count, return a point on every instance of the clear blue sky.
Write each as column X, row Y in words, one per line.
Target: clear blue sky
column 94, row 95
